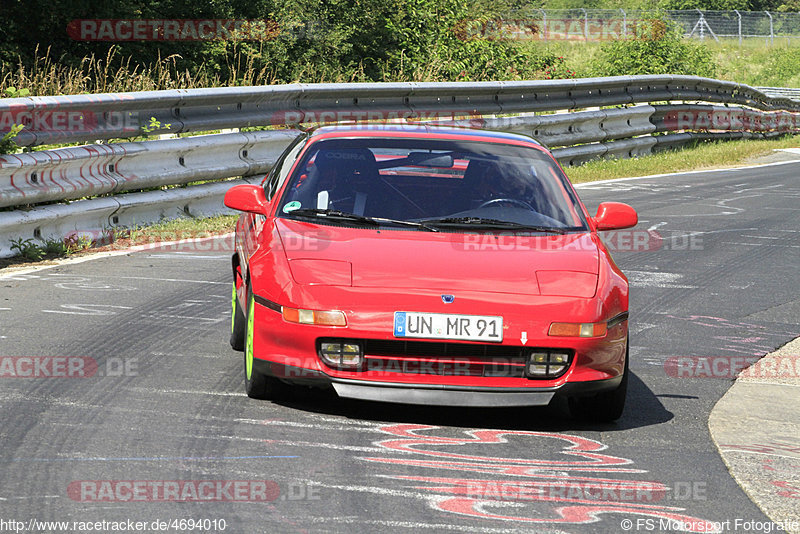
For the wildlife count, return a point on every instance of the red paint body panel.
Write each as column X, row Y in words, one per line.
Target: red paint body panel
column 408, row 259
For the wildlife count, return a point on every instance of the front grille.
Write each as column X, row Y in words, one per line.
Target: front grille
column 444, row 358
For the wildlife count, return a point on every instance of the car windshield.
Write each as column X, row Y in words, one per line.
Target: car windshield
column 437, row 185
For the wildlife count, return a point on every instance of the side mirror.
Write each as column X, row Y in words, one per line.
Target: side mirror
column 615, row 216
column 247, row 197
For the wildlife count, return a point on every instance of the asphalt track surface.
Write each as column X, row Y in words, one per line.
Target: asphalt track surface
column 723, row 283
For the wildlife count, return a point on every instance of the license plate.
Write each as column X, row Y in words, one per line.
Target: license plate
column 448, row 326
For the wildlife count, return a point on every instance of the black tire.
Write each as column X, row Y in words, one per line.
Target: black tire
column 238, row 322
column 604, row 407
column 257, row 385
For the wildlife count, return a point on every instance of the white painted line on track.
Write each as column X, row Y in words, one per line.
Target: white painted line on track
column 88, row 309
column 758, row 244
column 169, row 280
column 328, row 446
column 296, row 424
column 373, row 489
column 179, row 256
column 656, row 279
column 191, row 392
column 108, row 254
column 337, row 424
column 614, row 180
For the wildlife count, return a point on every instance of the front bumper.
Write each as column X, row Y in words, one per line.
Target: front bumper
column 435, row 394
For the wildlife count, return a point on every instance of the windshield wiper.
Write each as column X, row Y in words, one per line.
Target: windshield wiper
column 334, row 214
column 384, row 220
column 463, row 222
column 353, row 217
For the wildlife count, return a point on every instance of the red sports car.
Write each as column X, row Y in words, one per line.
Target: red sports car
column 424, row 265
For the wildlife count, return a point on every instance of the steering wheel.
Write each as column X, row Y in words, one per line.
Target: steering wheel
column 507, row 200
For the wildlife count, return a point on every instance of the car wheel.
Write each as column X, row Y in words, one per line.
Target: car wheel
column 238, row 322
column 257, row 385
column 604, row 407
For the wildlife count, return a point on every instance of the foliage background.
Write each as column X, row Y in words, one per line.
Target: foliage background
column 348, row 40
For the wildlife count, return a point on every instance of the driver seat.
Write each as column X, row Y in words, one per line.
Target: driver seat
column 356, row 184
column 479, row 173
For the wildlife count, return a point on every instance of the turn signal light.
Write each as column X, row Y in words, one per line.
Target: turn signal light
column 321, row 318
column 578, row 329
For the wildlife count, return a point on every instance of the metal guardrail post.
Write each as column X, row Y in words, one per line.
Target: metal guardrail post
column 771, row 30
column 624, row 24
column 544, row 24
column 740, row 26
column 585, row 24
column 701, row 23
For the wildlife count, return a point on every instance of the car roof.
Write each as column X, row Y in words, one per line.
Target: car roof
column 421, row 130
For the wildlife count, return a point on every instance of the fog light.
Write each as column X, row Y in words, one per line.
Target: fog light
column 537, row 370
column 341, row 354
column 548, row 364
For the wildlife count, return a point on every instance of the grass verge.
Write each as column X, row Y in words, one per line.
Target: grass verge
column 710, row 155
column 173, row 230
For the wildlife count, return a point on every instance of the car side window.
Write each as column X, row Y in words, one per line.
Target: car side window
column 280, row 171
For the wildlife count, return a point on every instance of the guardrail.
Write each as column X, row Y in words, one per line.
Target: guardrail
column 87, row 118
column 92, row 170
column 63, row 174
column 782, row 92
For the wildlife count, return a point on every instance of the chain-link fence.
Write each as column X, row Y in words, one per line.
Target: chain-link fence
column 606, row 24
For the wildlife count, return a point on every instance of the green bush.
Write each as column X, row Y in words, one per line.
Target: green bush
column 657, row 48
column 380, row 40
column 303, row 40
column 719, row 5
column 782, row 69
column 27, row 249
column 7, row 143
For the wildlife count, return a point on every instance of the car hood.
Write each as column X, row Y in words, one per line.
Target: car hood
column 388, row 258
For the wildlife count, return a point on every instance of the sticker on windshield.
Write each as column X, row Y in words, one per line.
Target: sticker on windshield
column 291, row 206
